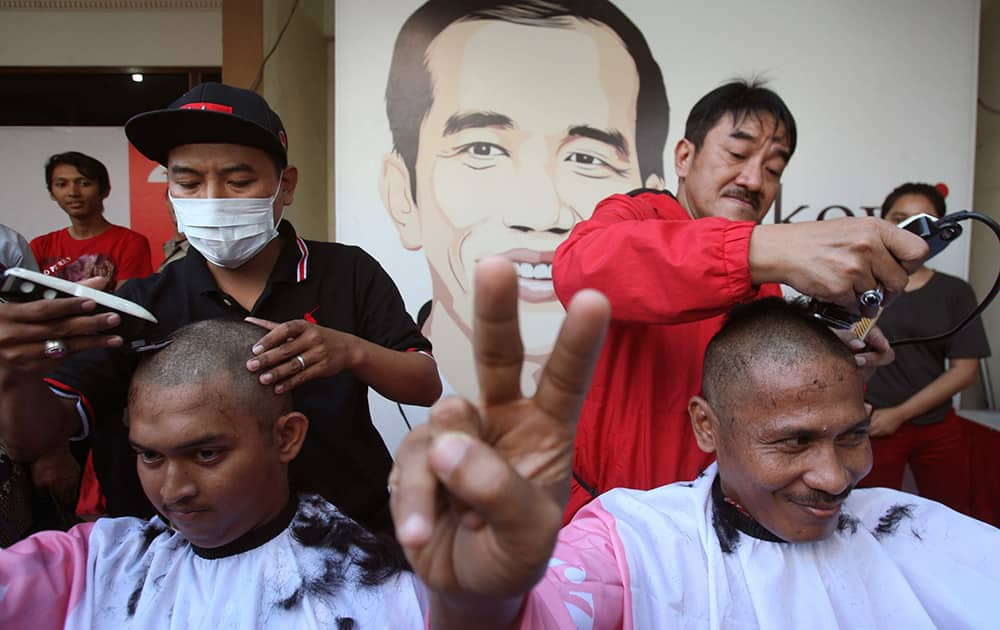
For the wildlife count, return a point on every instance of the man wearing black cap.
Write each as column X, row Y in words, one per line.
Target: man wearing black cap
column 335, row 322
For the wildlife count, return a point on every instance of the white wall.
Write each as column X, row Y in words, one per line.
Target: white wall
column 139, row 37
column 985, row 263
column 24, row 200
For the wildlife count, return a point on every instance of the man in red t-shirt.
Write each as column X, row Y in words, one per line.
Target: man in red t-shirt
column 673, row 266
column 91, row 246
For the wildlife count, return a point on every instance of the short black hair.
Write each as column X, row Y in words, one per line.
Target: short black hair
column 89, row 167
column 409, row 92
column 770, row 329
column 206, row 349
column 911, row 188
column 739, row 98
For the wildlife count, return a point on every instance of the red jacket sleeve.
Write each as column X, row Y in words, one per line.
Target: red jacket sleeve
column 656, row 264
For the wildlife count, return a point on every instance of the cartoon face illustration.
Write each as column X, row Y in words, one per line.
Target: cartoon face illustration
column 501, row 148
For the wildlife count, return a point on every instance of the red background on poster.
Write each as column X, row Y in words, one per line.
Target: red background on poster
column 148, row 212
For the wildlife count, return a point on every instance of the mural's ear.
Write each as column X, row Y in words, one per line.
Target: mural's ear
column 394, row 187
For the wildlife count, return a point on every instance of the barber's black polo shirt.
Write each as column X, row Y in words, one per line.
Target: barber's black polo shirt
column 338, row 286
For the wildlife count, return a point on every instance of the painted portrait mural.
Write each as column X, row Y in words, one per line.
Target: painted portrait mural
column 502, row 154
column 503, row 123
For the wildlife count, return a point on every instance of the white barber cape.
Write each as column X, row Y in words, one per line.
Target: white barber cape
column 296, row 572
column 677, row 557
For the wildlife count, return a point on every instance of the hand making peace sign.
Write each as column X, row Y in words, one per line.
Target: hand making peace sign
column 478, row 491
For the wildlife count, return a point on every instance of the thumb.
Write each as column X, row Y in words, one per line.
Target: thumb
column 96, row 282
column 908, row 248
column 478, row 476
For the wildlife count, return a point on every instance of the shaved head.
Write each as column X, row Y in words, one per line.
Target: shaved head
column 763, row 337
column 213, row 353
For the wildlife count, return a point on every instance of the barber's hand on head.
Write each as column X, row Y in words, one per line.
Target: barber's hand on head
column 871, row 353
column 25, row 327
column 837, row 260
column 298, row 351
column 478, row 492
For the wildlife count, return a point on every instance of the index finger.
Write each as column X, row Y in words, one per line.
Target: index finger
column 496, row 334
column 277, row 333
column 38, row 311
column 566, row 376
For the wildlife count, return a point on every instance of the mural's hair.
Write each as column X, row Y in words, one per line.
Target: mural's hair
column 739, row 98
column 910, row 188
column 89, row 167
column 769, row 331
column 409, row 92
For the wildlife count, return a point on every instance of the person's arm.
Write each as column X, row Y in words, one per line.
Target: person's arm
column 33, row 420
column 959, row 375
column 836, row 261
column 407, row 377
column 477, row 493
column 658, row 266
column 386, row 351
column 654, row 263
column 15, row 251
column 43, row 577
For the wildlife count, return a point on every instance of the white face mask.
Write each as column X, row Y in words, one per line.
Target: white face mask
column 227, row 232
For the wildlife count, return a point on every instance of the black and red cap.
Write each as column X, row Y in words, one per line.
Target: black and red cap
column 210, row 112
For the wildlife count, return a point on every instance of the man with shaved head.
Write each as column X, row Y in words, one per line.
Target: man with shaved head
column 771, row 536
column 234, row 544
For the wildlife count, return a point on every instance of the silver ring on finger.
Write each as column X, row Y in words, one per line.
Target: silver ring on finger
column 302, row 362
column 55, row 349
column 871, row 297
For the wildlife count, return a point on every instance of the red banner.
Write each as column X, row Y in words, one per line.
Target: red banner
column 148, row 208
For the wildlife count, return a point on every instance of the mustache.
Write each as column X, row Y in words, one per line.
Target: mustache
column 738, row 192
column 183, row 505
column 817, row 498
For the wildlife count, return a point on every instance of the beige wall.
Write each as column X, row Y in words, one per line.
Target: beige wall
column 985, row 259
column 90, row 37
column 295, row 84
column 242, row 41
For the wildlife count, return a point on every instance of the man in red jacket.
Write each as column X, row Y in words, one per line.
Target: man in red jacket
column 672, row 267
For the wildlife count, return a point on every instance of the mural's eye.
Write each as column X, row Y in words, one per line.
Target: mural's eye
column 585, row 159
column 484, row 150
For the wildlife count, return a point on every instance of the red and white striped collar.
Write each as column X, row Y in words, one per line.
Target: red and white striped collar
column 302, row 268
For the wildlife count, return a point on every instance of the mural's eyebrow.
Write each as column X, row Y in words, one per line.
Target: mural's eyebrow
column 474, row 120
column 612, row 138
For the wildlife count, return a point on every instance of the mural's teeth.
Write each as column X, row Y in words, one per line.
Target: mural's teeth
column 541, row 271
